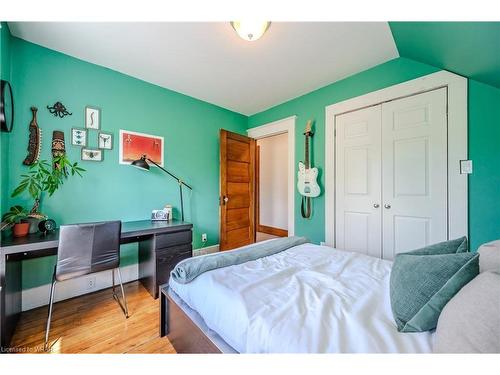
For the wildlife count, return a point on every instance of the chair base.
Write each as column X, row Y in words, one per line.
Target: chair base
column 123, row 303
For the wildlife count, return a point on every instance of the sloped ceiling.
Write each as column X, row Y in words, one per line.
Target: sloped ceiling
column 207, row 60
column 471, row 49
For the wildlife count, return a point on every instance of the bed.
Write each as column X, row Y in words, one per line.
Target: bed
column 306, row 299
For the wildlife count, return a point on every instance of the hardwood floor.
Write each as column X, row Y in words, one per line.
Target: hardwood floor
column 263, row 236
column 94, row 323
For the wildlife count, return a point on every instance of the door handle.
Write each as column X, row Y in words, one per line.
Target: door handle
column 376, row 205
column 225, row 199
column 387, row 205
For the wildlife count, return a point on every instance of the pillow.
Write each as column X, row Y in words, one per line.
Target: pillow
column 424, row 280
column 489, row 256
column 470, row 322
column 458, row 245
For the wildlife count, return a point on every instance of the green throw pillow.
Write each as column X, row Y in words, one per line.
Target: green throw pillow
column 424, row 280
column 459, row 245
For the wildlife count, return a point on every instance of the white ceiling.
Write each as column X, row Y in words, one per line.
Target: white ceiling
column 210, row 62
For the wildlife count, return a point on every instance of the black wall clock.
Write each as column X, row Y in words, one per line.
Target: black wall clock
column 6, row 107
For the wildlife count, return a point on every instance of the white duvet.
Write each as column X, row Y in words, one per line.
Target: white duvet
column 311, row 299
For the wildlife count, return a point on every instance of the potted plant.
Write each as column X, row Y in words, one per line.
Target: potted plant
column 16, row 218
column 44, row 177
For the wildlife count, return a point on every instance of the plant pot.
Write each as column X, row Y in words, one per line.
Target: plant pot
column 21, row 229
column 33, row 222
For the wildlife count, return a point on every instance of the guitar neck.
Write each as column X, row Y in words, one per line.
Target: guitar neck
column 306, row 162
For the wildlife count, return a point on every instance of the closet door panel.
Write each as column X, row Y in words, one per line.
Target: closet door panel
column 414, row 172
column 358, row 181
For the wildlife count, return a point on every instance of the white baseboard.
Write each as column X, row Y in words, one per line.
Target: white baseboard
column 39, row 296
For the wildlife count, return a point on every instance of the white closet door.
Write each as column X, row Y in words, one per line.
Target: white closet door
column 358, row 181
column 414, row 172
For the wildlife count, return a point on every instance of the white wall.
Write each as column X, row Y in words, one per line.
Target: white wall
column 273, row 181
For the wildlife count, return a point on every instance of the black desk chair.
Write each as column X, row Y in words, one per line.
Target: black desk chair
column 85, row 249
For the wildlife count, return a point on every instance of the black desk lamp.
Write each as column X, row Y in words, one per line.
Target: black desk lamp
column 142, row 163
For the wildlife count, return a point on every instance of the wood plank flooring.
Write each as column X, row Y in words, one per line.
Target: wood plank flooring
column 94, row 323
column 264, row 236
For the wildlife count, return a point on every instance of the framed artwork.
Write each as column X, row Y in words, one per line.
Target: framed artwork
column 133, row 145
column 92, row 154
column 105, row 141
column 92, row 118
column 79, row 137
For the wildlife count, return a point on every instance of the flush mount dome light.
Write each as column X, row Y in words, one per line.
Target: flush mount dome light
column 250, row 30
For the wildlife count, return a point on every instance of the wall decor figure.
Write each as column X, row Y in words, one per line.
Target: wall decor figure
column 58, row 145
column 92, row 154
column 79, row 137
column 59, row 110
column 105, row 141
column 35, row 140
column 92, row 118
column 133, row 145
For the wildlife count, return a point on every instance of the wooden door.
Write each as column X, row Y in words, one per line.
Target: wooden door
column 358, row 192
column 237, row 190
column 414, row 172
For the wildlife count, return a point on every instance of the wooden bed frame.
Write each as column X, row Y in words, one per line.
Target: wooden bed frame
column 184, row 335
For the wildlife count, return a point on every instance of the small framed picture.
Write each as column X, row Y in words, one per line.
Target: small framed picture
column 133, row 145
column 79, row 137
column 105, row 141
column 92, row 154
column 92, row 118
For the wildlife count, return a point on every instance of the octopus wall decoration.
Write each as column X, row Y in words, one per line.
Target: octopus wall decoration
column 58, row 109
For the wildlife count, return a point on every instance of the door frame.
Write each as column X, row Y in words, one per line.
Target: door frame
column 285, row 125
column 457, row 143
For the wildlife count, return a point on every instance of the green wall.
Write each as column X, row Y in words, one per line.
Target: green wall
column 484, row 128
column 108, row 190
column 5, row 57
column 471, row 49
column 484, row 150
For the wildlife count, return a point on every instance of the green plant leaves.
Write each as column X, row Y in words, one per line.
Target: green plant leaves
column 15, row 215
column 42, row 176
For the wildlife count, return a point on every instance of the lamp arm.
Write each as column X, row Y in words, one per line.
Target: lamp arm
column 170, row 174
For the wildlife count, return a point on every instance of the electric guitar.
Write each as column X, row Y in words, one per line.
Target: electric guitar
column 307, row 176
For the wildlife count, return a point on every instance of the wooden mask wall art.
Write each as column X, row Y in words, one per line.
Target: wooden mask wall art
column 35, row 140
column 58, row 145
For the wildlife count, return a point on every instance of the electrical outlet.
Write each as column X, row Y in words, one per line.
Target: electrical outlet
column 91, row 283
column 465, row 166
column 204, row 237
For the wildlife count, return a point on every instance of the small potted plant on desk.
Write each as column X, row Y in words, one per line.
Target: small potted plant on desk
column 17, row 218
column 44, row 177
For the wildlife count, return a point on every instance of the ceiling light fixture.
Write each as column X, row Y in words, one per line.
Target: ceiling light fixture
column 250, row 30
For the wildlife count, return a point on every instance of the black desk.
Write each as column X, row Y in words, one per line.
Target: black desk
column 173, row 238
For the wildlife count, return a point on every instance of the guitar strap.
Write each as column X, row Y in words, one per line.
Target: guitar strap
column 305, row 207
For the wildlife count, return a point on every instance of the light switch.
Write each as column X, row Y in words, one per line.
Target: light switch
column 465, row 166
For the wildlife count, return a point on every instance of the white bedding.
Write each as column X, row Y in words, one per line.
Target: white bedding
column 309, row 298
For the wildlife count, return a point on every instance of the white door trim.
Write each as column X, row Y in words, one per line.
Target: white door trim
column 457, row 143
column 286, row 125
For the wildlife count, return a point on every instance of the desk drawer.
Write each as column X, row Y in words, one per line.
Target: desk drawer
column 174, row 239
column 166, row 260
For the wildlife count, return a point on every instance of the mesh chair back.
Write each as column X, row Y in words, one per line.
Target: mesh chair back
column 88, row 248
